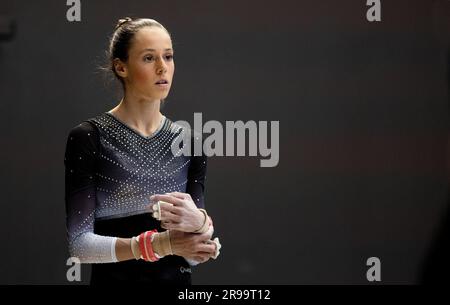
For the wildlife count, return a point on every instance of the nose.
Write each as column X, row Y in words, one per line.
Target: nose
column 161, row 68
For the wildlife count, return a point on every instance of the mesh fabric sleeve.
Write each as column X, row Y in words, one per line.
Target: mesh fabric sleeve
column 82, row 149
column 196, row 183
column 196, row 173
column 196, row 180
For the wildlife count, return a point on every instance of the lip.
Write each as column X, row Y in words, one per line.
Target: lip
column 162, row 79
column 162, row 85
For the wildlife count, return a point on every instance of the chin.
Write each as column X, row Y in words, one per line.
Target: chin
column 157, row 96
column 164, row 96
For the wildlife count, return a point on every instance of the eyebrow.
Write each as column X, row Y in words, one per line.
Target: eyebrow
column 153, row 50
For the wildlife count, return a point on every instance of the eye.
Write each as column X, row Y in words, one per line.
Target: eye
column 169, row 57
column 148, row 58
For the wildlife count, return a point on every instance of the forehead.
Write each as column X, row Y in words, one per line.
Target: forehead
column 151, row 38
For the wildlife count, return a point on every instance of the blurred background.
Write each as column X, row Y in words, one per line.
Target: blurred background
column 363, row 112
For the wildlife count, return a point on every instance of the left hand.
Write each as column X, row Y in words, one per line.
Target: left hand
column 183, row 215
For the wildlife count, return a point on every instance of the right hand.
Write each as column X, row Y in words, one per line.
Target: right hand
column 197, row 247
column 178, row 212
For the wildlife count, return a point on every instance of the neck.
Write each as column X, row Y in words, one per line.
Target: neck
column 140, row 113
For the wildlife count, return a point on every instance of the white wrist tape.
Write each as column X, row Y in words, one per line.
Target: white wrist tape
column 157, row 209
column 218, row 246
column 205, row 226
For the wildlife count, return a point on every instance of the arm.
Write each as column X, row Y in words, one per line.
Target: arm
column 81, row 151
column 181, row 211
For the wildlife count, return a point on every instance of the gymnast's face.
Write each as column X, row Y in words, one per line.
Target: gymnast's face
column 150, row 60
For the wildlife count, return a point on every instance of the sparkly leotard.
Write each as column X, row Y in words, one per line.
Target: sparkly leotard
column 111, row 170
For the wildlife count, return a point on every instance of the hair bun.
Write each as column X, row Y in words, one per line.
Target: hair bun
column 123, row 21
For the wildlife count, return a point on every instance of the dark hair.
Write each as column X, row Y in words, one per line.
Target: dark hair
column 122, row 37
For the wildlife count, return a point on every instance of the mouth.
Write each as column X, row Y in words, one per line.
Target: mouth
column 162, row 82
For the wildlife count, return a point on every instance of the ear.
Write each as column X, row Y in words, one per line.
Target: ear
column 120, row 67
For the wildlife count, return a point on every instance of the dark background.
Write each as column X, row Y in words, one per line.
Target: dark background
column 363, row 111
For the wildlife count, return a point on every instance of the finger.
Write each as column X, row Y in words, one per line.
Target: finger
column 205, row 259
column 204, row 237
column 173, row 226
column 216, row 245
column 203, row 256
column 181, row 195
column 167, row 225
column 211, row 249
column 167, row 198
column 198, row 259
column 168, row 216
column 216, row 255
column 167, row 207
column 156, row 208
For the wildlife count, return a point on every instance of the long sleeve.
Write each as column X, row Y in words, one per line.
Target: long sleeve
column 196, row 180
column 196, row 177
column 82, row 149
column 196, row 183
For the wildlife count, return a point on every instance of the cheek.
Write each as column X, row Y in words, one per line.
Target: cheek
column 143, row 74
column 172, row 67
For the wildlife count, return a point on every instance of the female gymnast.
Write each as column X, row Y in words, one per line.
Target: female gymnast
column 134, row 204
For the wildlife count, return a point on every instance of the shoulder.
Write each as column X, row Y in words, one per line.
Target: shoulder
column 85, row 134
column 83, row 129
column 175, row 127
column 88, row 127
column 183, row 128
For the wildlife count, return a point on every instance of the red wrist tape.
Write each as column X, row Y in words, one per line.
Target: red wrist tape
column 142, row 246
column 148, row 242
column 145, row 245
